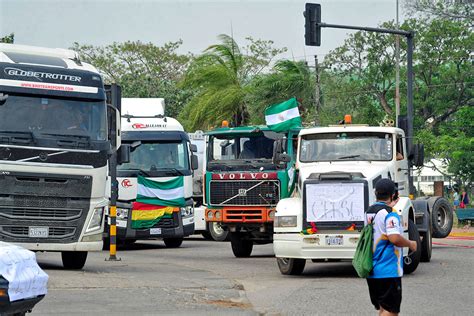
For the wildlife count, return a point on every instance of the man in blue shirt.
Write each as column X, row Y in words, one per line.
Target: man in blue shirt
column 385, row 281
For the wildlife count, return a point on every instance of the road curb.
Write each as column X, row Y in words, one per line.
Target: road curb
column 462, row 234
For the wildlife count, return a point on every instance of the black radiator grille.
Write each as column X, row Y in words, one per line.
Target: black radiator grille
column 168, row 222
column 249, row 192
column 59, row 202
column 40, row 213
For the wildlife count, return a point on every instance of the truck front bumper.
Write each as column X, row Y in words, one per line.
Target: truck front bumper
column 183, row 230
column 295, row 245
column 77, row 246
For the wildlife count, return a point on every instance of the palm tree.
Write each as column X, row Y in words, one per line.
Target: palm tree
column 220, row 83
column 288, row 79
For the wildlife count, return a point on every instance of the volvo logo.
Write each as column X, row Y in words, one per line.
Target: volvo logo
column 242, row 192
column 43, row 156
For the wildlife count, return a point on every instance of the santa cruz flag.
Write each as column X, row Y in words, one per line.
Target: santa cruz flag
column 156, row 200
column 283, row 116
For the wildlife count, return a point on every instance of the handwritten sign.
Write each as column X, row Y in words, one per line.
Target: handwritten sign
column 19, row 267
column 334, row 202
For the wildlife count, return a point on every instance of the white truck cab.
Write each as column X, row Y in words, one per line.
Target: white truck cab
column 160, row 150
column 338, row 167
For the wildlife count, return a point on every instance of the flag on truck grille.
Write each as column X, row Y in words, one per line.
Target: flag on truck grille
column 164, row 193
column 283, row 116
column 147, row 215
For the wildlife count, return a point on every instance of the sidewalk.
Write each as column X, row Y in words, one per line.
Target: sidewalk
column 462, row 231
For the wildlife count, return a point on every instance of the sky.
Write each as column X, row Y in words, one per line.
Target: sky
column 60, row 23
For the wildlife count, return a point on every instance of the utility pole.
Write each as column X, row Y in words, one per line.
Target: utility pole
column 317, row 92
column 397, row 75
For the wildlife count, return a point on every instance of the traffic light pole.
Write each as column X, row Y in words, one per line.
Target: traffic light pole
column 410, row 112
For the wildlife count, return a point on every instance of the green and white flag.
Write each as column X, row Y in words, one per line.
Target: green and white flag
column 164, row 193
column 283, row 116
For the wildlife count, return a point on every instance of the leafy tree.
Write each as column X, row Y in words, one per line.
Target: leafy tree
column 286, row 80
column 142, row 69
column 220, row 79
column 366, row 65
column 445, row 9
column 8, row 38
column 443, row 71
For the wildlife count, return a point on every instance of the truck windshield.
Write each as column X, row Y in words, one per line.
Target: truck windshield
column 47, row 116
column 152, row 156
column 235, row 149
column 357, row 146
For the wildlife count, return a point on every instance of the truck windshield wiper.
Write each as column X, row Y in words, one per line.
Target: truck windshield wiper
column 21, row 137
column 76, row 136
column 169, row 169
column 348, row 157
column 139, row 171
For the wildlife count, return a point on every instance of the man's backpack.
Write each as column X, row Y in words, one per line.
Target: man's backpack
column 363, row 257
column 362, row 261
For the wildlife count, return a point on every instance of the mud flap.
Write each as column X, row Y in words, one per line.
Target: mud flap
column 422, row 214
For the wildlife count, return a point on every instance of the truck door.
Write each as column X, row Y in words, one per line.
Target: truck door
column 401, row 165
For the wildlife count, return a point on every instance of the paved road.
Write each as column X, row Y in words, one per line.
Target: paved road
column 203, row 277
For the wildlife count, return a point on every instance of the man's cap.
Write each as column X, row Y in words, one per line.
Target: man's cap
column 385, row 186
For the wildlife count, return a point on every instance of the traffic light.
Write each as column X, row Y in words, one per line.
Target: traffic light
column 312, row 29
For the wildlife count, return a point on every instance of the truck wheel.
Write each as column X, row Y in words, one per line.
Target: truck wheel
column 411, row 261
column 206, row 235
column 442, row 218
column 426, row 244
column 217, row 232
column 173, row 242
column 106, row 243
column 240, row 247
column 291, row 266
column 74, row 260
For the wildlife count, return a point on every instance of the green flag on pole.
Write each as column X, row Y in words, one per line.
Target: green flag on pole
column 283, row 116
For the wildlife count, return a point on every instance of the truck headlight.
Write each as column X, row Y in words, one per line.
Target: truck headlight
column 122, row 213
column 96, row 219
column 187, row 211
column 285, row 221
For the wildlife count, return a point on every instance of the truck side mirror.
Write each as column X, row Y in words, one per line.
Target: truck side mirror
column 417, row 155
column 194, row 162
column 123, row 154
column 193, row 148
column 284, row 158
column 277, row 150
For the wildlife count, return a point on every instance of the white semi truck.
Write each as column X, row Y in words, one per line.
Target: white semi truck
column 160, row 150
column 338, row 167
column 55, row 141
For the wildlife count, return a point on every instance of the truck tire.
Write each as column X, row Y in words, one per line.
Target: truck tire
column 441, row 218
column 240, row 247
column 426, row 244
column 291, row 266
column 74, row 260
column 173, row 242
column 217, row 232
column 411, row 261
column 206, row 235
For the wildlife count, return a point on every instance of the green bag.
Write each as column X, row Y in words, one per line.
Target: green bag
column 363, row 257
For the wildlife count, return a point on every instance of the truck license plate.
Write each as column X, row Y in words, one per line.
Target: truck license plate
column 155, row 231
column 121, row 223
column 334, row 240
column 38, row 232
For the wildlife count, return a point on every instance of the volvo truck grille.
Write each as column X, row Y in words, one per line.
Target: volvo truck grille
column 58, row 204
column 249, row 192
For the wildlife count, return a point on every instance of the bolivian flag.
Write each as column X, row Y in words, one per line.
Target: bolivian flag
column 147, row 215
column 156, row 200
